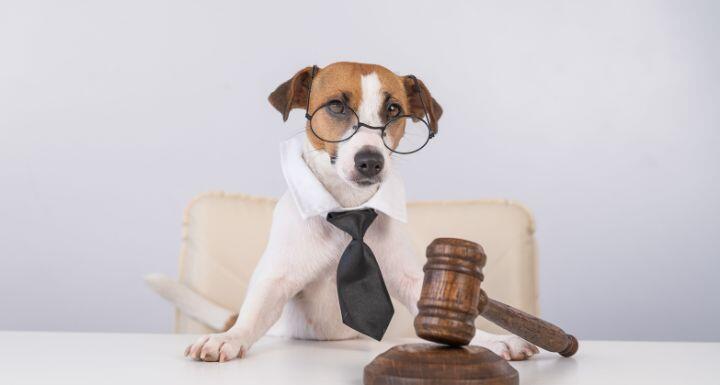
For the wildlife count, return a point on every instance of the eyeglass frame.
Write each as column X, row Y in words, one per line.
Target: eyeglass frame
column 360, row 124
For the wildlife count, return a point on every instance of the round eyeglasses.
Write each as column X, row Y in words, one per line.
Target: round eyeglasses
column 336, row 122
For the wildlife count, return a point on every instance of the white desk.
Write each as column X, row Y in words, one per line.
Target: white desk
column 135, row 359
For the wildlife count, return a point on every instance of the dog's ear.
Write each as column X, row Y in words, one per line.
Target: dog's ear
column 293, row 93
column 415, row 89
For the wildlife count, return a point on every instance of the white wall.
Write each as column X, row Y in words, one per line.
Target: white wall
column 602, row 117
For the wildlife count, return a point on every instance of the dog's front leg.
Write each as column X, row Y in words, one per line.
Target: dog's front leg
column 262, row 307
column 507, row 346
column 294, row 257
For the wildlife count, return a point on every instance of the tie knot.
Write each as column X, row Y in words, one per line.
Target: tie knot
column 353, row 222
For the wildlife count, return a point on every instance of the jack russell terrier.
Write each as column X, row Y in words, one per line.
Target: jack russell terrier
column 358, row 115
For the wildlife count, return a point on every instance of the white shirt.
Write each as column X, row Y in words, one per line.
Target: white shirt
column 312, row 199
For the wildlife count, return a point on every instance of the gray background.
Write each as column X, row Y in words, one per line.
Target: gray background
column 600, row 116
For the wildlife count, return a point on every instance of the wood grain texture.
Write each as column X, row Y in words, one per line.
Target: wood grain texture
column 452, row 298
column 450, row 294
column 532, row 329
column 430, row 364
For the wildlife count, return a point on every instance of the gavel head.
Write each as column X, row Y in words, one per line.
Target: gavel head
column 451, row 293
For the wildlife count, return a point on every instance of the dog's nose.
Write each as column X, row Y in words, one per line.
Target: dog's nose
column 369, row 163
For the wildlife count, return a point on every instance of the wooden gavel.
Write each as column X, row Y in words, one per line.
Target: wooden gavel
column 451, row 299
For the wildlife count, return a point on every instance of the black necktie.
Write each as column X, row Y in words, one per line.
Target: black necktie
column 364, row 300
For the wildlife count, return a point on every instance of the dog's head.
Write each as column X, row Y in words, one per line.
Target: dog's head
column 342, row 95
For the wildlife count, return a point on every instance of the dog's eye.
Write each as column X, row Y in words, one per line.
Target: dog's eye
column 393, row 110
column 336, row 107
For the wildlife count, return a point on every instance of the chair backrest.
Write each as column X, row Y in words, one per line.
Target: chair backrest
column 224, row 235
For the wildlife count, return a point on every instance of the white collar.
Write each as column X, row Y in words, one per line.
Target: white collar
column 311, row 197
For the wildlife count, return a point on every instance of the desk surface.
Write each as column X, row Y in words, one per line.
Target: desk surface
column 135, row 359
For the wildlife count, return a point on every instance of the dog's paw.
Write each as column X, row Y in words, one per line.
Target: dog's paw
column 508, row 346
column 218, row 347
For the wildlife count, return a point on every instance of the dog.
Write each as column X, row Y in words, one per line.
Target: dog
column 293, row 289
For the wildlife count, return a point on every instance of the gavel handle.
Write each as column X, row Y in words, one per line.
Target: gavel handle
column 532, row 329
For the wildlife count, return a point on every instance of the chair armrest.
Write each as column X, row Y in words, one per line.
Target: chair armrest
column 191, row 303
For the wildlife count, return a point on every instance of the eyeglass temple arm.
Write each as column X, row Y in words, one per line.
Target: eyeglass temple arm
column 307, row 106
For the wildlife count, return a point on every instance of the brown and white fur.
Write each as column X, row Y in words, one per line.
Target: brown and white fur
column 293, row 286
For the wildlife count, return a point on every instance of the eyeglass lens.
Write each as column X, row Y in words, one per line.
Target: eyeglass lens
column 336, row 122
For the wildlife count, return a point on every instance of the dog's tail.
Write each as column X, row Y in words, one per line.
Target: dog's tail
column 192, row 303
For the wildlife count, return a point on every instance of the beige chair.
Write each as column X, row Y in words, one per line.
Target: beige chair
column 224, row 235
